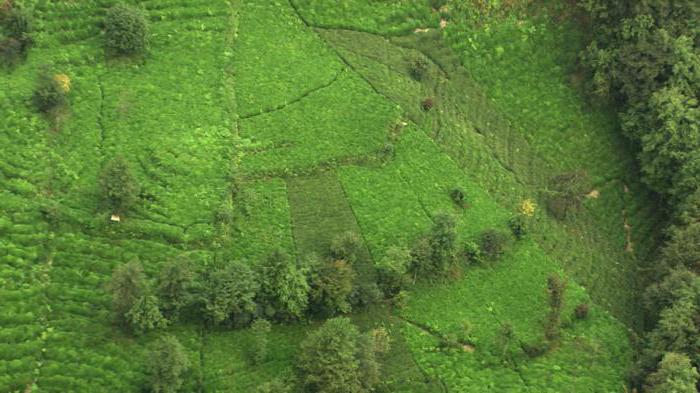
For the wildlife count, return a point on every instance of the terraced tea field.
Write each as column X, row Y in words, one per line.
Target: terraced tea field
column 312, row 109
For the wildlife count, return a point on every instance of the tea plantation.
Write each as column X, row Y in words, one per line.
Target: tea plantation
column 430, row 172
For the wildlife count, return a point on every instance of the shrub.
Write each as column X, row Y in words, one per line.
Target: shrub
column 493, row 243
column 418, row 68
column 49, row 94
column 581, row 311
column 126, row 30
column 535, row 349
column 457, row 196
column 472, row 253
column 118, row 185
column 556, row 286
column 17, row 24
column 518, row 226
column 261, row 329
column 400, row 301
column 505, row 336
column 10, row 51
column 167, row 363
column 427, row 104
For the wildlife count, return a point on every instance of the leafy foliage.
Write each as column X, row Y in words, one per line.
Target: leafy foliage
column 126, row 30
column 331, row 286
column 336, row 358
column 127, row 286
column 675, row 375
column 284, row 290
column 556, row 286
column 118, row 185
column 49, row 94
column 493, row 243
column 167, row 365
column 176, row 281
column 145, row 315
column 229, row 293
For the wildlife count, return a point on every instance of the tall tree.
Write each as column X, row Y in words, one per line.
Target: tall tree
column 167, row 365
column 675, row 375
column 127, row 285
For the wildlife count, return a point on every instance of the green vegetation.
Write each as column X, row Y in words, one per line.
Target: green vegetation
column 126, row 30
column 340, row 197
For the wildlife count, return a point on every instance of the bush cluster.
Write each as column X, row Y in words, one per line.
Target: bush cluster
column 126, row 30
column 15, row 40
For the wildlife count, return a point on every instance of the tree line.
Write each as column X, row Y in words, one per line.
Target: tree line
column 645, row 57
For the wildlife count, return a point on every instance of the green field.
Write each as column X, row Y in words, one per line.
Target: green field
column 297, row 104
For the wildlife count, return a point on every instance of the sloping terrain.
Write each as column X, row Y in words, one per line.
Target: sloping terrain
column 297, row 102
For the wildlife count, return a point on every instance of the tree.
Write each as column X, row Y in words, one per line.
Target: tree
column 556, row 287
column 392, row 269
column 261, row 329
column 229, row 292
column 118, row 185
column 127, row 285
column 145, row 315
column 675, row 375
column 433, row 254
column 126, row 30
column 167, row 364
column 678, row 283
column 49, row 94
column 175, row 284
column 331, row 286
column 678, row 330
column 683, row 247
column 348, row 247
column 443, row 236
column 284, row 290
column 336, row 358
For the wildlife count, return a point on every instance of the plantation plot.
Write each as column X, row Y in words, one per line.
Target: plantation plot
column 320, row 212
column 591, row 356
column 276, row 59
column 344, row 121
column 265, row 223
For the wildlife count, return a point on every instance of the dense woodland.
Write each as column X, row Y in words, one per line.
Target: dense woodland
column 645, row 57
column 373, row 260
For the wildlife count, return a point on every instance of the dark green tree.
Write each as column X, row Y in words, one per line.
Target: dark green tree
column 675, row 375
column 392, row 270
column 120, row 190
column 331, row 286
column 175, row 285
column 348, row 247
column 126, row 30
column 336, row 358
column 145, row 315
column 229, row 293
column 127, row 285
column 284, row 290
column 167, row 365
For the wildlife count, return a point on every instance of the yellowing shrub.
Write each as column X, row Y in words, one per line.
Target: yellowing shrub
column 63, row 82
column 528, row 207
